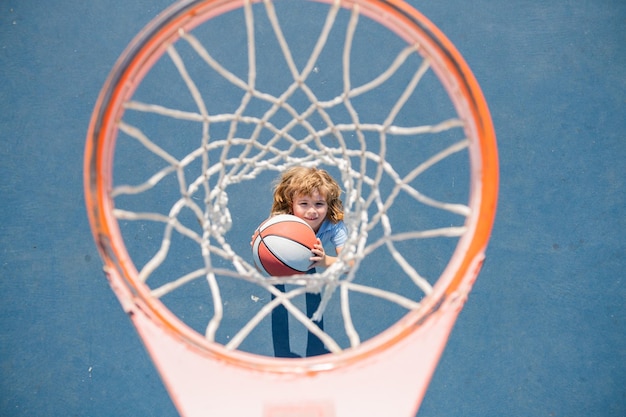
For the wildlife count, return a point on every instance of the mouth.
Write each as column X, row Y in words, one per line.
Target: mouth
column 312, row 222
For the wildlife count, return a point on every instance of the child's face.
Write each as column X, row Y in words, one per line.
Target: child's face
column 311, row 208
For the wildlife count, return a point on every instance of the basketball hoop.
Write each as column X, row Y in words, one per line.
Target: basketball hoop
column 361, row 121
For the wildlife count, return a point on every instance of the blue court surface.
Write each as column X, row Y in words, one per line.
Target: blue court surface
column 544, row 330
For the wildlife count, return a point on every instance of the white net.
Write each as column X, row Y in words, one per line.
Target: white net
column 236, row 101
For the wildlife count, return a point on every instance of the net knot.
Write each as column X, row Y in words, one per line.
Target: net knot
column 218, row 214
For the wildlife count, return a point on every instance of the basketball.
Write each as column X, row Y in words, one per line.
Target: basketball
column 281, row 246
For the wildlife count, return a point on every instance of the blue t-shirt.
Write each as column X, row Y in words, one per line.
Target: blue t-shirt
column 335, row 233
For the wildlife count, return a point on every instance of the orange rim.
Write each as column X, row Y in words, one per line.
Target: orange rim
column 398, row 17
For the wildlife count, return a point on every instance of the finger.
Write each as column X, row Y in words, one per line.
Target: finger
column 318, row 251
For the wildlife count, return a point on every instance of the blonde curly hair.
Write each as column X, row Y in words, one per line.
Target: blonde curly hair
column 304, row 181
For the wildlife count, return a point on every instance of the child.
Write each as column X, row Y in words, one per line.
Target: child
column 312, row 195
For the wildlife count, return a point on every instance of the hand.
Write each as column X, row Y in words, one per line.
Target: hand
column 319, row 256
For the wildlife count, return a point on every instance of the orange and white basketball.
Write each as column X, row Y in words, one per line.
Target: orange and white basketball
column 281, row 246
